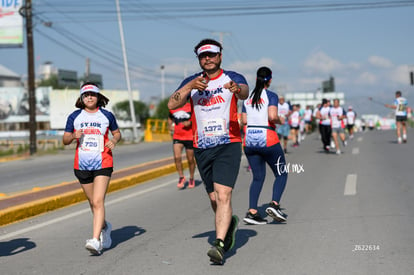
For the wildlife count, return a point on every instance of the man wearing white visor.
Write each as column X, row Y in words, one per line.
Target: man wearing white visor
column 213, row 94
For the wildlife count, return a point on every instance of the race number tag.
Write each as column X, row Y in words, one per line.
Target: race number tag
column 93, row 143
column 214, row 127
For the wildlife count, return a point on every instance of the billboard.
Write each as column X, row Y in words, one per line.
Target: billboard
column 14, row 104
column 11, row 23
column 62, row 103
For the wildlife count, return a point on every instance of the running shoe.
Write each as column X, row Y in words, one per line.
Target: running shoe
column 230, row 238
column 105, row 237
column 216, row 252
column 254, row 218
column 345, row 143
column 327, row 149
column 399, row 140
column 274, row 211
column 94, row 246
column 338, row 152
column 181, row 182
column 191, row 183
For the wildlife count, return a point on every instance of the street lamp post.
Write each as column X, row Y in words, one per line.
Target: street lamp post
column 131, row 103
column 162, row 82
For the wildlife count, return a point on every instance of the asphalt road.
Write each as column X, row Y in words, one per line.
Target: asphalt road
column 46, row 170
column 348, row 214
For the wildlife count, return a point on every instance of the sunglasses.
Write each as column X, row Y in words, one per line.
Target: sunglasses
column 207, row 54
column 89, row 94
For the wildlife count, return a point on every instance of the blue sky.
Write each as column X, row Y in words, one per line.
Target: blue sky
column 368, row 51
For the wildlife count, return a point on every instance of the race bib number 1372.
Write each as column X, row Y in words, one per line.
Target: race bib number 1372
column 214, row 127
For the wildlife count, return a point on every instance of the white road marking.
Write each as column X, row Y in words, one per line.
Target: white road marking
column 80, row 212
column 359, row 139
column 350, row 185
column 355, row 151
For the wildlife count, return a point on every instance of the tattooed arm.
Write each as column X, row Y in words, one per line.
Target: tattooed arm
column 179, row 97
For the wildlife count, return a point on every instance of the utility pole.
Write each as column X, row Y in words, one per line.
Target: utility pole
column 26, row 11
column 221, row 36
column 87, row 69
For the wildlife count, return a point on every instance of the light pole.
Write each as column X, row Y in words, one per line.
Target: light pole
column 162, row 82
column 131, row 103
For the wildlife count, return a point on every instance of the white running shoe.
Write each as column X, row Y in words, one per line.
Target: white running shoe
column 94, row 246
column 105, row 237
column 399, row 140
column 338, row 152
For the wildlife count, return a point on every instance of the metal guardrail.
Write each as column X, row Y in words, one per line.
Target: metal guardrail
column 157, row 131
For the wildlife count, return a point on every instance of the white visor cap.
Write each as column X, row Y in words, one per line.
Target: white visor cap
column 89, row 88
column 208, row 48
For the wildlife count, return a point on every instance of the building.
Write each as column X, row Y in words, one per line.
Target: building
column 313, row 98
column 9, row 78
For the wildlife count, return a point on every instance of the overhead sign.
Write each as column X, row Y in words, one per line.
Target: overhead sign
column 11, row 23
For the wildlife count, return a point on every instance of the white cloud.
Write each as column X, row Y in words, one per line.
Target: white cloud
column 366, row 78
column 380, row 62
column 320, row 62
column 400, row 75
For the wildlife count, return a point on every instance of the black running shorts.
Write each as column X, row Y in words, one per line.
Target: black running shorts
column 401, row 118
column 85, row 176
column 188, row 144
column 219, row 164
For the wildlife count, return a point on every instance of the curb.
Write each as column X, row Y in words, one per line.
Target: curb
column 30, row 209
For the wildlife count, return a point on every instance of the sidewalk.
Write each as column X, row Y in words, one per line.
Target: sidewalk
column 35, row 202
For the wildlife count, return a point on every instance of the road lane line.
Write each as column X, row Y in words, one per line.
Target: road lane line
column 350, row 185
column 359, row 139
column 355, row 151
column 80, row 212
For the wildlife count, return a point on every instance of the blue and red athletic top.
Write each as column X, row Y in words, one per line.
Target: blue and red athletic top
column 91, row 154
column 260, row 131
column 214, row 111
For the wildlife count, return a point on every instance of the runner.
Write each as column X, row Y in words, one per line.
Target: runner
column 283, row 130
column 307, row 117
column 90, row 126
column 317, row 120
column 261, row 146
column 350, row 118
column 213, row 94
column 337, row 114
column 400, row 107
column 325, row 124
column 294, row 121
column 179, row 122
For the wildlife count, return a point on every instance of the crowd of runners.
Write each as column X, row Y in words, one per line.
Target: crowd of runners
column 333, row 123
column 206, row 122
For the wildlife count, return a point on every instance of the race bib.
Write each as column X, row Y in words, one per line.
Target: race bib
column 92, row 143
column 214, row 127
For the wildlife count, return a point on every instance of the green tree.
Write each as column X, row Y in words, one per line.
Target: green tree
column 52, row 81
column 162, row 110
column 122, row 111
